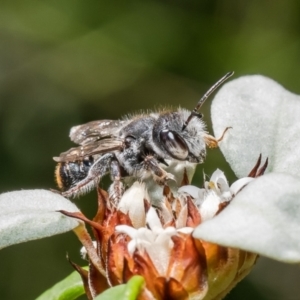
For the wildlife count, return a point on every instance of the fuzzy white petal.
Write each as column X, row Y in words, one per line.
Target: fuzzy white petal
column 32, row 214
column 264, row 118
column 263, row 218
column 132, row 203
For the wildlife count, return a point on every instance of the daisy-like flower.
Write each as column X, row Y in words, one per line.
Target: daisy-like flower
column 157, row 243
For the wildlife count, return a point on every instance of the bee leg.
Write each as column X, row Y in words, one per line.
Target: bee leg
column 160, row 175
column 213, row 142
column 116, row 190
column 96, row 172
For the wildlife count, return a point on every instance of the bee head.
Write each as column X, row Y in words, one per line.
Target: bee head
column 173, row 143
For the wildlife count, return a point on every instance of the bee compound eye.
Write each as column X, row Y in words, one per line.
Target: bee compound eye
column 174, row 144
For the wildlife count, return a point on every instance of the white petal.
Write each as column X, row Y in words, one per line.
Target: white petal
column 130, row 231
column 159, row 251
column 192, row 190
column 131, row 246
column 220, row 181
column 132, row 203
column 31, row 214
column 264, row 118
column 210, row 206
column 217, row 174
column 146, row 235
column 152, row 219
column 182, row 217
column 262, row 218
column 186, row 230
column 222, row 185
column 83, row 251
column 177, row 169
column 170, row 230
column 166, row 213
column 239, row 184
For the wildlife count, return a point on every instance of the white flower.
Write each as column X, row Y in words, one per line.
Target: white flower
column 216, row 192
column 156, row 242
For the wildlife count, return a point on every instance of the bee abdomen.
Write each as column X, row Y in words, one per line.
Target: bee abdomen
column 68, row 174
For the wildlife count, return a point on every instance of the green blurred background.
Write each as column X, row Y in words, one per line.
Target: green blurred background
column 63, row 63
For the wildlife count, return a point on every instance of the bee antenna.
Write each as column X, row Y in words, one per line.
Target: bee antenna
column 205, row 96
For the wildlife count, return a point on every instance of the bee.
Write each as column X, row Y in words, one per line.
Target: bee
column 140, row 147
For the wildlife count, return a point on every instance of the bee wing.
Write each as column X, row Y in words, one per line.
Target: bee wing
column 99, row 147
column 95, row 131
